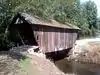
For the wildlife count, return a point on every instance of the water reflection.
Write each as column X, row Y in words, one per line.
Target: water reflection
column 78, row 68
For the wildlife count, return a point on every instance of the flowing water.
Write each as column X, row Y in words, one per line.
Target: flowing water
column 75, row 68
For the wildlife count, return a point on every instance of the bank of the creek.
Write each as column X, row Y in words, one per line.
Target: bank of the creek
column 76, row 68
column 86, row 50
column 39, row 65
column 84, row 58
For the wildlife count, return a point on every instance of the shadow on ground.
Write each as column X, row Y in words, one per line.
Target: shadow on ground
column 13, row 55
column 58, row 55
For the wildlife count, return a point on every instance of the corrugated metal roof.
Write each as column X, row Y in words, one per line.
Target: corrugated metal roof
column 33, row 20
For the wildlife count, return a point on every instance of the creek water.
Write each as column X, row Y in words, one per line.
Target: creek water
column 76, row 68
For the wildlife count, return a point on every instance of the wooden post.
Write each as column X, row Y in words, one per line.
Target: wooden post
column 20, row 37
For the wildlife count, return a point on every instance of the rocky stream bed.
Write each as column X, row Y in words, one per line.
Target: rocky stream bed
column 86, row 50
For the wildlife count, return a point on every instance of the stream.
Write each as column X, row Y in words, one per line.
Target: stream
column 75, row 68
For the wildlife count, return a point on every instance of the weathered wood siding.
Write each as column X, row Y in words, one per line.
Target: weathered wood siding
column 52, row 39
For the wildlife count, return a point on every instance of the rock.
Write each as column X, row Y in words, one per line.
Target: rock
column 87, row 50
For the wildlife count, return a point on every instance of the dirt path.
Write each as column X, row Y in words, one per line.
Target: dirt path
column 12, row 63
column 8, row 63
column 45, row 66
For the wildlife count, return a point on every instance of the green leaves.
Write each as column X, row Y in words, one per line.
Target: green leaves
column 72, row 11
column 91, row 13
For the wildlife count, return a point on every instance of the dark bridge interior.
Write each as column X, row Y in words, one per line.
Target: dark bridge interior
column 23, row 34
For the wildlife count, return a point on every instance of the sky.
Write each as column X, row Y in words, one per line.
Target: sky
column 97, row 3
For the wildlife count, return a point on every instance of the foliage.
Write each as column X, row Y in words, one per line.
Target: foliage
column 82, row 15
column 90, row 13
column 88, row 19
column 90, row 10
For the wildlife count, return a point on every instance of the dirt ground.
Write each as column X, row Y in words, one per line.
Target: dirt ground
column 12, row 63
column 8, row 63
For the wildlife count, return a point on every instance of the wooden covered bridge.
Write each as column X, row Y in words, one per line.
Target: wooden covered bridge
column 49, row 35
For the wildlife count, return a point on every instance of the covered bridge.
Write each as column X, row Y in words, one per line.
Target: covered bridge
column 49, row 35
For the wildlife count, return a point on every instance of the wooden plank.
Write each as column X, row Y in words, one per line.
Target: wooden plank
column 52, row 42
column 56, row 39
column 67, row 39
column 46, row 40
column 61, row 38
column 58, row 46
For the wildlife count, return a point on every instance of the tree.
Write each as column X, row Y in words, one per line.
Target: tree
column 87, row 18
column 98, row 23
column 90, row 10
column 72, row 11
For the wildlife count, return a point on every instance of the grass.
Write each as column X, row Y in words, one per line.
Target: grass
column 27, row 68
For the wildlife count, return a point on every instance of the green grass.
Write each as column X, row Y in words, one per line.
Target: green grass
column 28, row 68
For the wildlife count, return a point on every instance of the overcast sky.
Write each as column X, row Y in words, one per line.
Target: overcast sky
column 97, row 3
